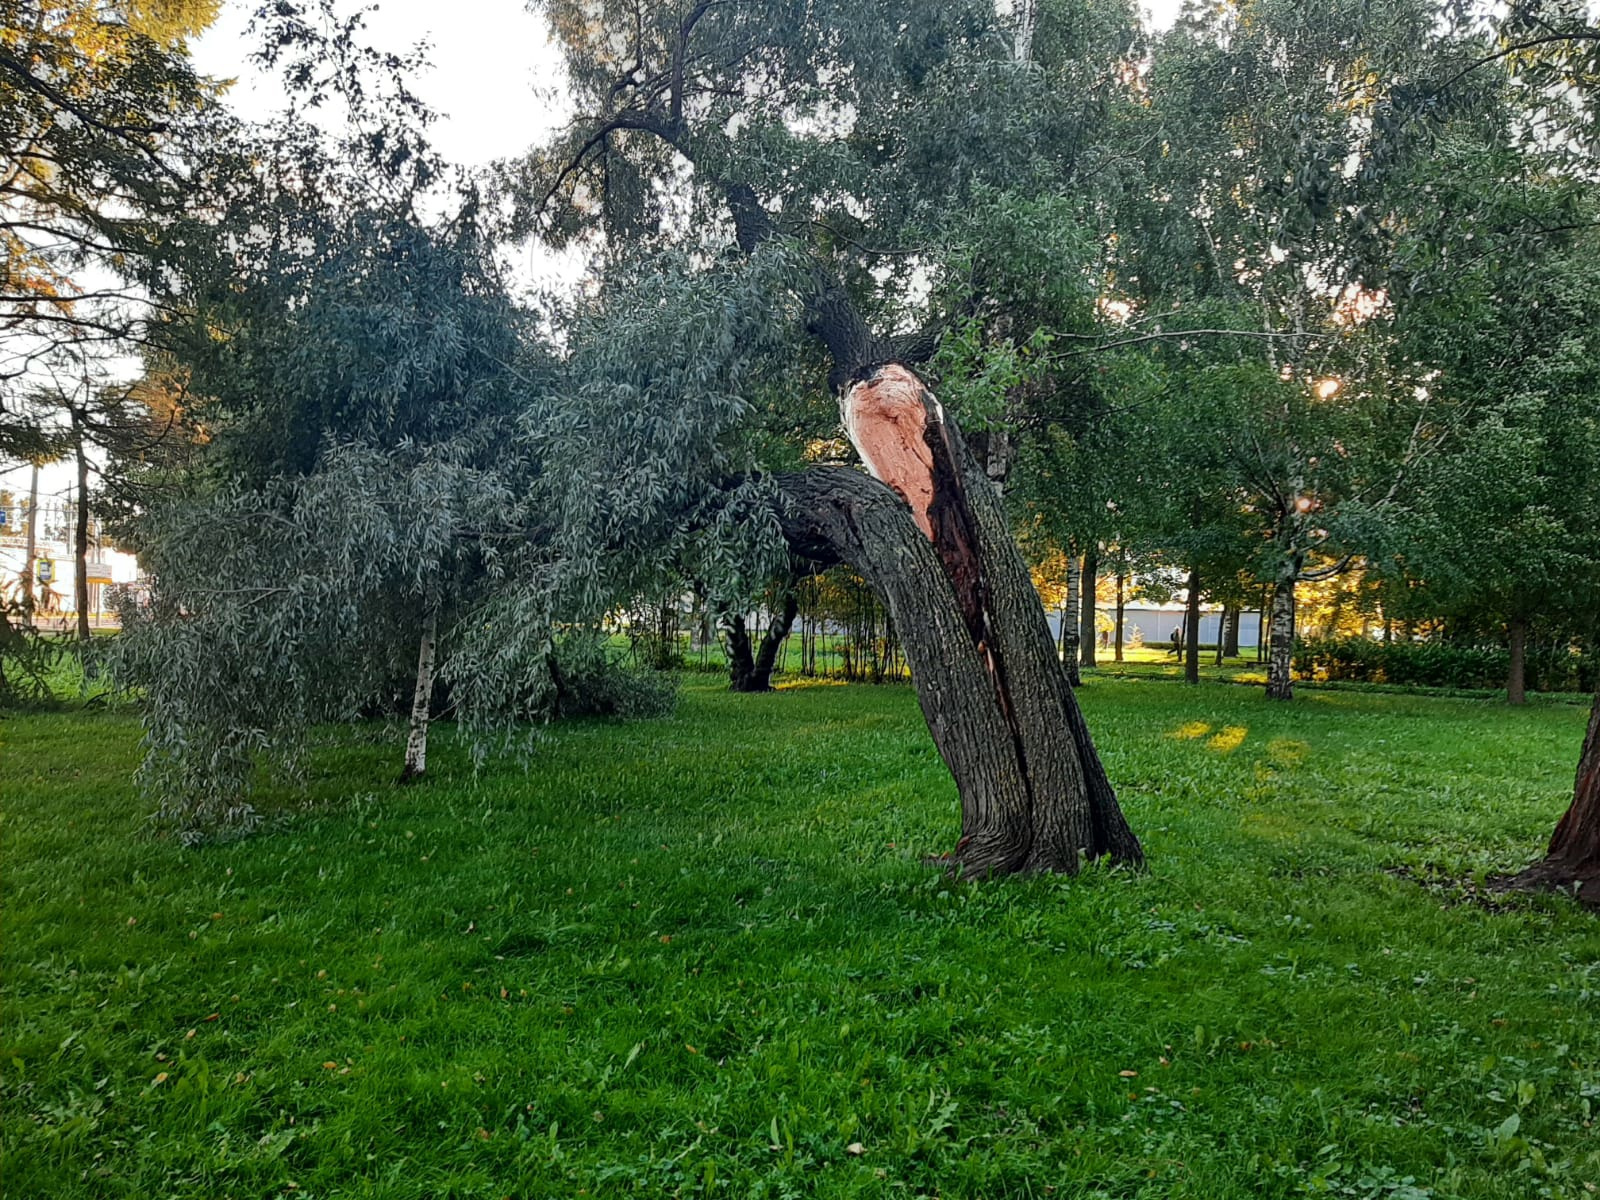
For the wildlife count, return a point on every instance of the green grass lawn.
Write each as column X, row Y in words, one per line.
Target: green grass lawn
column 699, row 956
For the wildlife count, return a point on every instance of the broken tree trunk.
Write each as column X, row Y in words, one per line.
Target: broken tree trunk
column 1573, row 857
column 932, row 540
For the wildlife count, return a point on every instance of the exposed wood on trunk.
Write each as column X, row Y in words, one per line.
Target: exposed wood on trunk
column 1573, row 857
column 1086, row 606
column 1517, row 675
column 416, row 764
column 1034, row 794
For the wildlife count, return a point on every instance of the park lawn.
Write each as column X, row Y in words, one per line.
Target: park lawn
column 700, row 955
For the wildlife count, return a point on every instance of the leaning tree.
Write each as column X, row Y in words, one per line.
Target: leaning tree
column 847, row 139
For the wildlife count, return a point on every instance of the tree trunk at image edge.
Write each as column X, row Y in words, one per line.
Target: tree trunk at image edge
column 930, row 536
column 1086, row 608
column 1280, row 663
column 752, row 672
column 1191, row 629
column 1573, row 857
column 421, row 701
column 1517, row 675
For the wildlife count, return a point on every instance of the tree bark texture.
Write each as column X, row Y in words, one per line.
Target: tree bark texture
column 1071, row 629
column 930, row 536
column 1086, row 607
column 752, row 672
column 31, row 548
column 1280, row 665
column 421, row 700
column 1122, row 601
column 80, row 535
column 1517, row 675
column 1230, row 638
column 1573, row 857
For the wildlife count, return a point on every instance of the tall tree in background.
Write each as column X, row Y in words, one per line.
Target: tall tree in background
column 98, row 110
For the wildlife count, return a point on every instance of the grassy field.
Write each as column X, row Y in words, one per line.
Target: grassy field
column 699, row 956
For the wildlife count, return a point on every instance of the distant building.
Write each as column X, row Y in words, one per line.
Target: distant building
column 1154, row 623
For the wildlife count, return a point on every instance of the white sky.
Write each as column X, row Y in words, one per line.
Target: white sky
column 491, row 59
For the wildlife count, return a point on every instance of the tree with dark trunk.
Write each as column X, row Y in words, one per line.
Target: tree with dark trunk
column 752, row 671
column 1122, row 602
column 80, row 526
column 930, row 536
column 1517, row 672
column 1572, row 859
column 1191, row 628
column 1086, row 606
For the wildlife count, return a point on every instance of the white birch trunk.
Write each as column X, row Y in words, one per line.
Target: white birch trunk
column 421, row 700
column 1280, row 676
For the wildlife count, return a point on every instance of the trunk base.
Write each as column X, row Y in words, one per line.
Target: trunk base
column 1581, row 881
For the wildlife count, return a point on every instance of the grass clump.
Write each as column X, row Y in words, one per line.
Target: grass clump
column 698, row 955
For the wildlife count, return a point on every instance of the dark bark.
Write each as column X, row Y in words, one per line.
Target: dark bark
column 29, row 585
column 1034, row 794
column 1572, row 859
column 751, row 671
column 1086, row 607
column 80, row 533
column 1517, row 675
column 1191, row 629
column 1230, row 638
column 1122, row 599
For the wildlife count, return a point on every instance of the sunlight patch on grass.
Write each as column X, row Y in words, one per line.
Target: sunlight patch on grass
column 1228, row 739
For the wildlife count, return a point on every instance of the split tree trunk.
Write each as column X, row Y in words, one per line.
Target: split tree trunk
column 1280, row 666
column 1573, row 857
column 1086, row 607
column 421, row 700
column 1517, row 675
column 933, row 541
